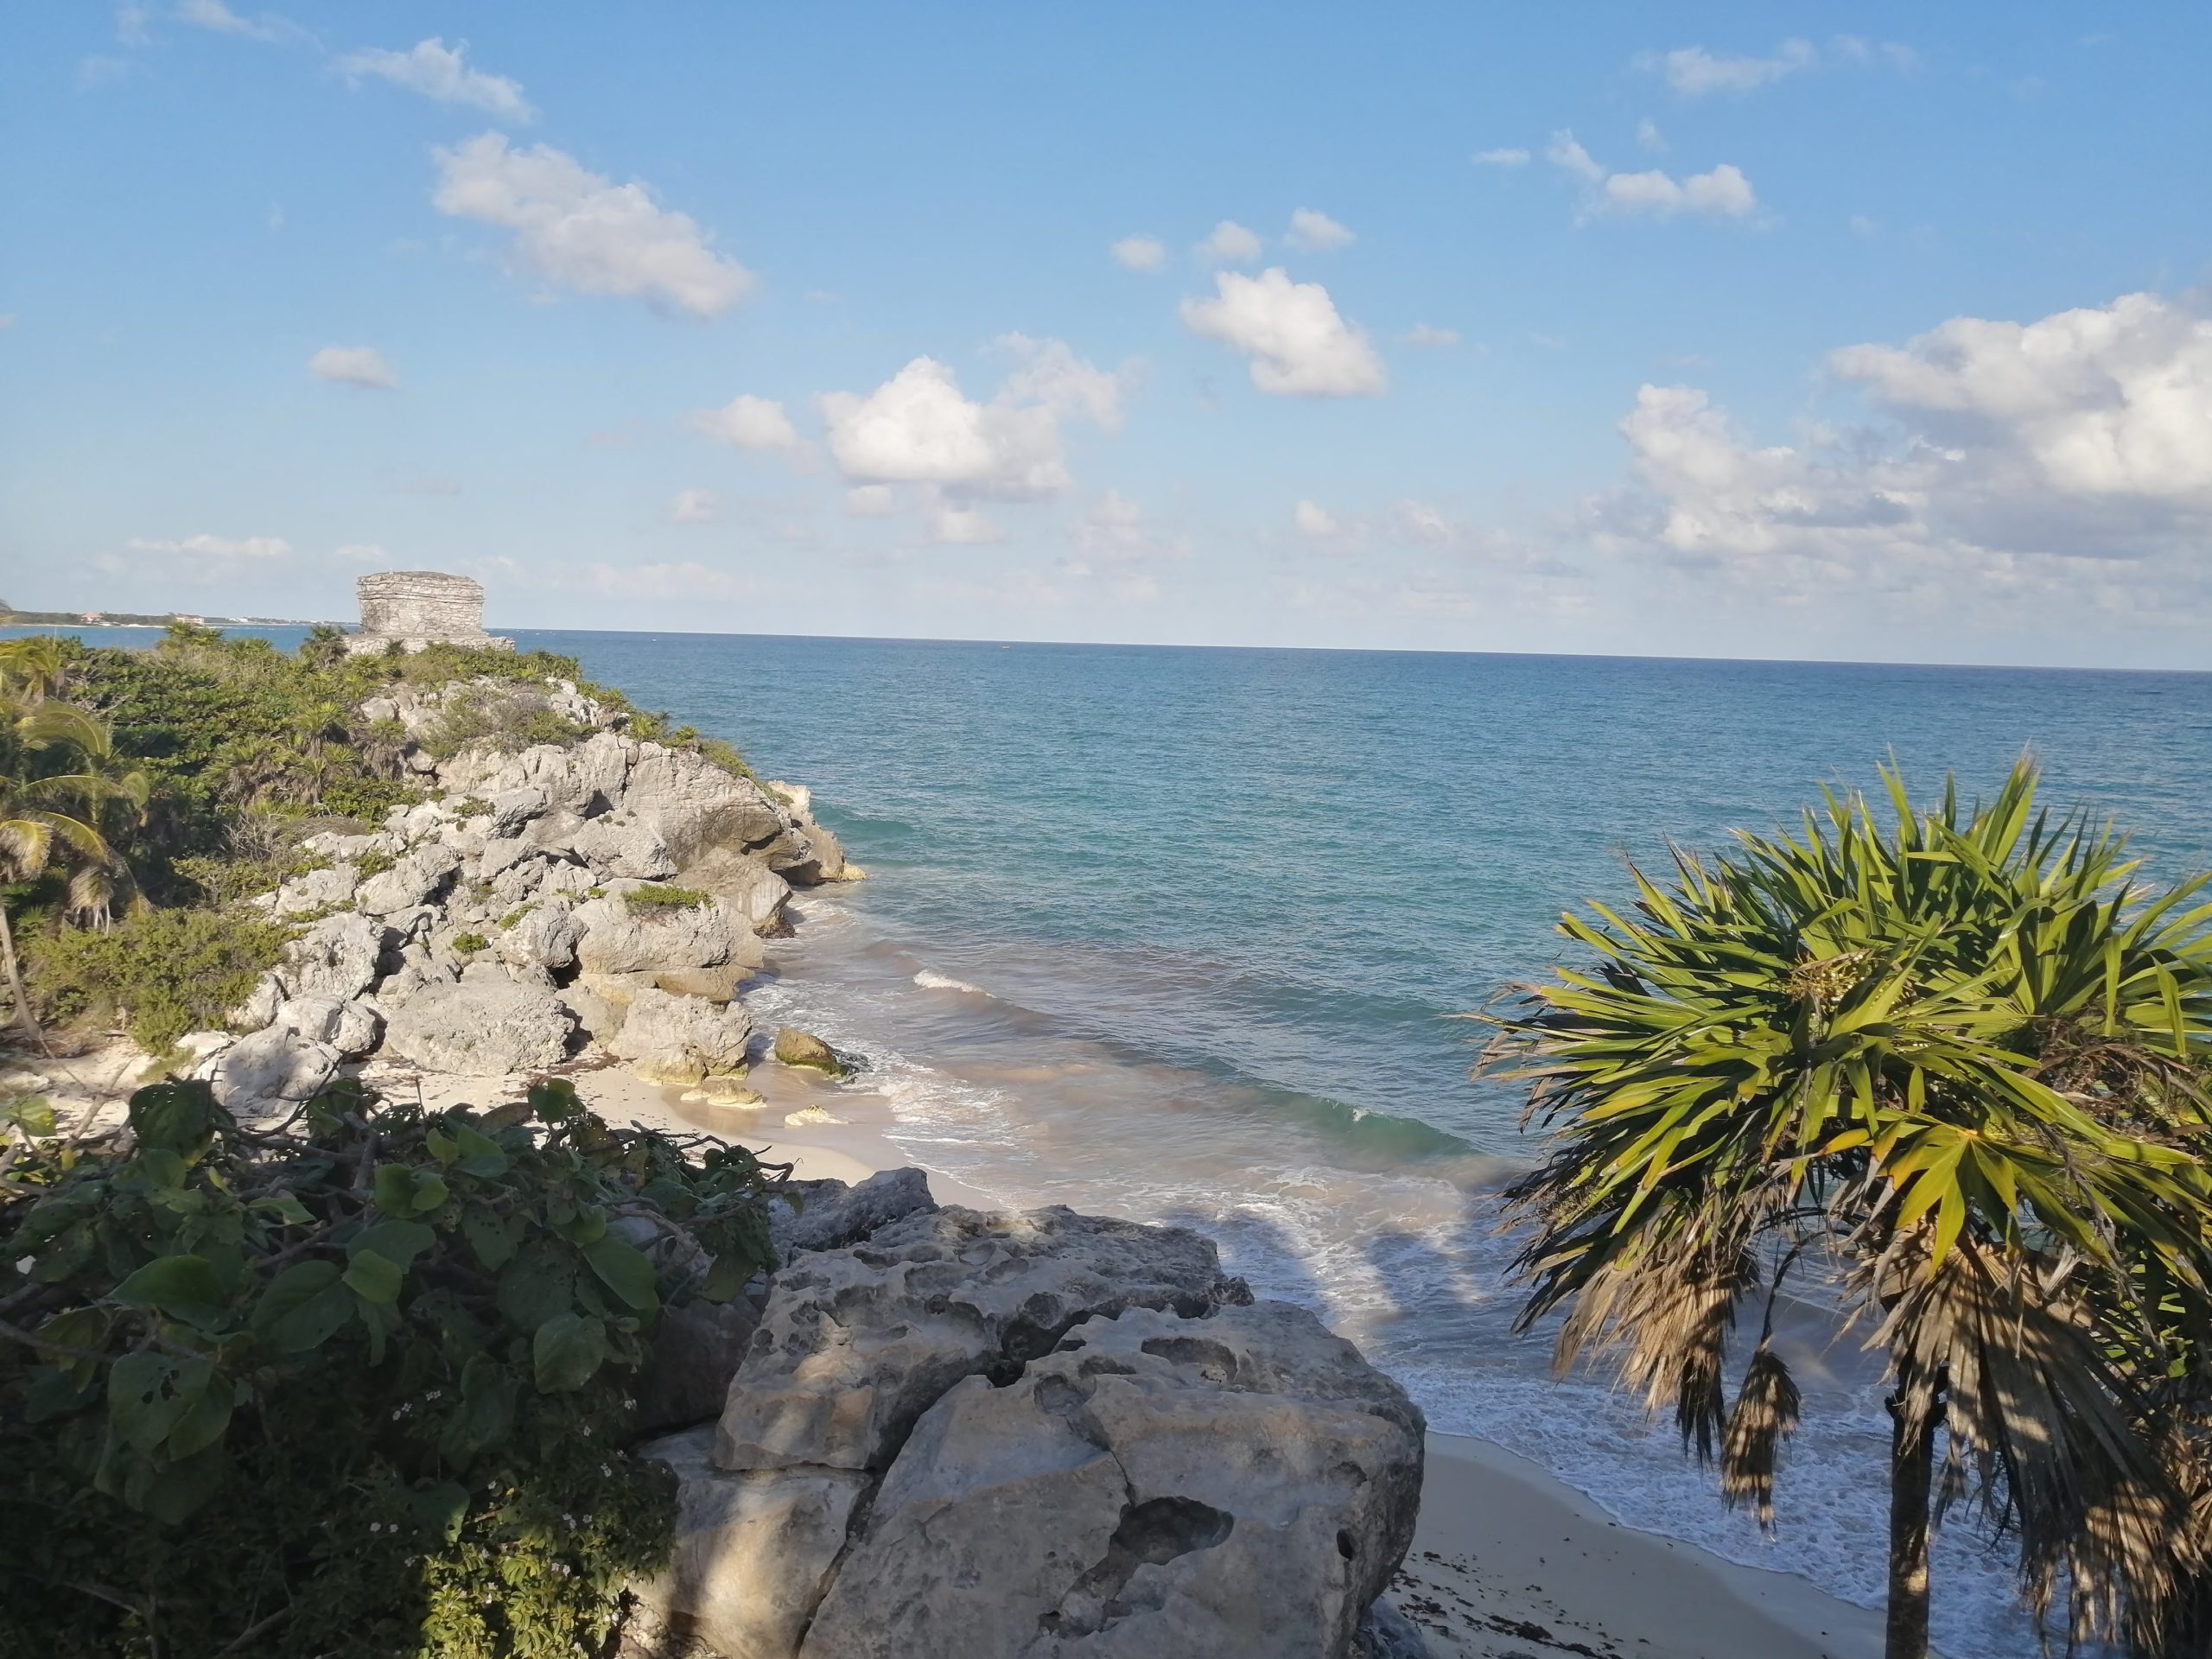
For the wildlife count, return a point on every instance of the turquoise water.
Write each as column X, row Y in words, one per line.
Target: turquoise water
column 1180, row 934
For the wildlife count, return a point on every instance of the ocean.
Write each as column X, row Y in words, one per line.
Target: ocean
column 1185, row 935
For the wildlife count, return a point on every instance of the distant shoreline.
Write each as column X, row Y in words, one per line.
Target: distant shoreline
column 141, row 620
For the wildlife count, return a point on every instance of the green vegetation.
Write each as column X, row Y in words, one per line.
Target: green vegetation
column 168, row 971
column 355, row 1387
column 1960, row 1063
column 469, row 943
column 647, row 900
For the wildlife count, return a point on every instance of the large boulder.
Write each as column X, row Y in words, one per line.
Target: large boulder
column 1035, row 1437
column 544, row 936
column 338, row 957
column 351, row 1027
column 806, row 1049
column 855, row 1344
column 828, row 1215
column 485, row 1028
column 416, row 877
column 681, row 1040
column 662, row 938
column 1244, row 1484
column 695, row 804
column 743, row 882
column 622, row 845
column 269, row 1073
column 315, row 890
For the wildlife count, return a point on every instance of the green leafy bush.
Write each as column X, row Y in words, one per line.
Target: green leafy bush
column 505, row 718
column 168, row 971
column 352, row 1388
column 469, row 943
column 647, row 900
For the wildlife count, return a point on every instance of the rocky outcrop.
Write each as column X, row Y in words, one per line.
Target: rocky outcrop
column 1033, row 1437
column 682, row 1039
column 483, row 1029
column 805, row 1049
column 613, row 938
column 271, row 1071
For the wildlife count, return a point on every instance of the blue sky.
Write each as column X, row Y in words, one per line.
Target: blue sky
column 1849, row 332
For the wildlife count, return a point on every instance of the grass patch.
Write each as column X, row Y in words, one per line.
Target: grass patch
column 653, row 900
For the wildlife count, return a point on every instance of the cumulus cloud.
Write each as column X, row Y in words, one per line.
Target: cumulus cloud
column 750, row 423
column 1314, row 520
column 1506, row 157
column 1300, row 346
column 1693, row 72
column 695, row 507
column 1430, row 339
column 1140, row 253
column 353, row 365
column 1649, row 139
column 1229, row 244
column 575, row 227
column 442, row 72
column 2053, row 459
column 1723, row 192
column 949, row 523
column 919, row 427
column 871, row 500
column 223, row 549
column 1317, row 232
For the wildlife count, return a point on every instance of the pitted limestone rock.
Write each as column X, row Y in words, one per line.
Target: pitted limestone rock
column 856, row 1344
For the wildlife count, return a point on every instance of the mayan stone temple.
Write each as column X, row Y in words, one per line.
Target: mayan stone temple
column 414, row 609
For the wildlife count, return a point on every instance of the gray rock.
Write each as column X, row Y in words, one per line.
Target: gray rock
column 499, row 857
column 545, row 937
column 682, row 1039
column 572, row 878
column 315, row 890
column 1386, row 1633
column 696, row 1350
column 513, row 808
column 267, row 1074
column 746, row 884
column 805, row 1049
column 751, row 1551
column 260, row 1006
column 662, row 939
column 338, row 957
column 417, row 967
column 855, row 1344
column 485, row 1028
column 695, row 804
column 1240, row 1484
column 623, row 846
column 830, row 1214
column 349, row 1026
column 597, row 1018
column 417, row 876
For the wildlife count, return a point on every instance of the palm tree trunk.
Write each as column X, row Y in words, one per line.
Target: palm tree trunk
column 23, row 1015
column 1912, row 1462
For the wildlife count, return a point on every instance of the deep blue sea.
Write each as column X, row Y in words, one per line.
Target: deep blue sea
column 1182, row 934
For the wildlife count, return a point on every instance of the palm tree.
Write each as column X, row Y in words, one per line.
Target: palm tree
column 58, row 773
column 34, row 667
column 1959, row 1065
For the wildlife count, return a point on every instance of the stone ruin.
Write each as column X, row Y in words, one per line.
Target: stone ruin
column 414, row 609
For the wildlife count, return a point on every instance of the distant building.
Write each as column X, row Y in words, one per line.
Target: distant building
column 95, row 618
column 415, row 608
column 190, row 621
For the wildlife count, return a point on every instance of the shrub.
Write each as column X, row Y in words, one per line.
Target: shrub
column 506, row 717
column 647, row 900
column 469, row 943
column 353, row 1388
column 168, row 971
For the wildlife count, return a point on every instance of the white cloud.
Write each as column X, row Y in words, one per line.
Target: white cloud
column 1229, row 244
column 1299, row 345
column 214, row 14
column 1051, row 374
column 1314, row 520
column 353, row 365
column 1649, row 139
column 1507, row 157
column 2020, row 469
column 1724, row 193
column 750, row 423
column 575, row 227
column 439, row 72
column 363, row 553
column 950, row 524
column 131, row 25
column 919, row 428
column 1430, row 339
column 685, row 579
column 695, row 507
column 871, row 500
column 1317, row 232
column 217, row 548
column 1140, row 253
column 1693, row 72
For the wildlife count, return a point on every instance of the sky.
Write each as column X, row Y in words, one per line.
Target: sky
column 1865, row 332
